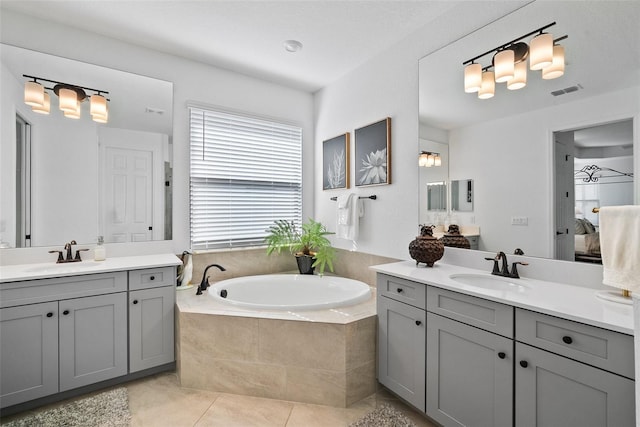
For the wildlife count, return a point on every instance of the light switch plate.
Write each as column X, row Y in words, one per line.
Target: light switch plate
column 519, row 220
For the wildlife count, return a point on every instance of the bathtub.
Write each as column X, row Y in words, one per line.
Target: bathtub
column 290, row 292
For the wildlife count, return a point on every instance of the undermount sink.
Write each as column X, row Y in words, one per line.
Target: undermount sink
column 70, row 267
column 489, row 282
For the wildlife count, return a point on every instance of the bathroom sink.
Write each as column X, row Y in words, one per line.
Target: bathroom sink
column 490, row 282
column 63, row 268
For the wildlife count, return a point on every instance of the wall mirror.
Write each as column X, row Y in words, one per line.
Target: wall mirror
column 64, row 178
column 437, row 196
column 506, row 143
column 433, row 193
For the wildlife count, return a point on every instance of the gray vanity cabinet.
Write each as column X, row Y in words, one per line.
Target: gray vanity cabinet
column 28, row 352
column 469, row 369
column 402, row 338
column 552, row 390
column 151, row 319
column 93, row 339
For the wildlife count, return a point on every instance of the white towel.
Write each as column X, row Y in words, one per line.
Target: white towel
column 620, row 246
column 349, row 218
column 343, row 209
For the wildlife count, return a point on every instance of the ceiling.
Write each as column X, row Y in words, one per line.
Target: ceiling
column 248, row 36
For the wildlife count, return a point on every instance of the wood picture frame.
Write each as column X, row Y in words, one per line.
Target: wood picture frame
column 373, row 154
column 335, row 162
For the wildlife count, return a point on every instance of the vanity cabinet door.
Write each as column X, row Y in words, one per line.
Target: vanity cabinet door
column 552, row 390
column 28, row 352
column 93, row 339
column 151, row 327
column 469, row 375
column 401, row 350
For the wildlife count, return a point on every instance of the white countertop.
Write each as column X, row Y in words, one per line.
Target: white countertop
column 20, row 272
column 556, row 299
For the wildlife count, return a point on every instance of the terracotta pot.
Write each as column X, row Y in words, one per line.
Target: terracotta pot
column 426, row 248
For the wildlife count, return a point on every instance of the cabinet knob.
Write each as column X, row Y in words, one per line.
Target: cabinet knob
column 418, row 322
column 524, row 363
column 49, row 314
column 399, row 290
column 135, row 301
column 65, row 312
column 502, row 355
column 152, row 278
column 567, row 339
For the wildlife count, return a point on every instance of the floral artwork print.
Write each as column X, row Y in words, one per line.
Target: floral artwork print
column 335, row 162
column 373, row 151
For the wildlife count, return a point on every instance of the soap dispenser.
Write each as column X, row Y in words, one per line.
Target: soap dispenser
column 100, row 252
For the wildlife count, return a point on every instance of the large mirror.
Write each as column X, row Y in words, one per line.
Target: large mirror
column 506, row 145
column 65, row 178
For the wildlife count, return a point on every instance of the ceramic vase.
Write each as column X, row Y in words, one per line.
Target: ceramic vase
column 425, row 248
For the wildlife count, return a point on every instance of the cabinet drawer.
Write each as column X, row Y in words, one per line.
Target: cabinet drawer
column 152, row 278
column 403, row 290
column 599, row 347
column 484, row 314
column 61, row 288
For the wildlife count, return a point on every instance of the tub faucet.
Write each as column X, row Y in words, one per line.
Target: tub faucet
column 204, row 284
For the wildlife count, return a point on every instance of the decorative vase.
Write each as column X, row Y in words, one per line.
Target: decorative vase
column 454, row 239
column 426, row 248
column 305, row 263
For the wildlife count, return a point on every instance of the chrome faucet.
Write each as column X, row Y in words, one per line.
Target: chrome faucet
column 68, row 247
column 504, row 271
column 204, row 283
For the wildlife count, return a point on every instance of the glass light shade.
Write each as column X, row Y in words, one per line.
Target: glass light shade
column 75, row 114
column 68, row 100
column 503, row 63
column 519, row 79
column 101, row 118
column 33, row 94
column 472, row 78
column 541, row 51
column 430, row 160
column 422, row 160
column 98, row 105
column 437, row 161
column 556, row 69
column 46, row 106
column 488, row 88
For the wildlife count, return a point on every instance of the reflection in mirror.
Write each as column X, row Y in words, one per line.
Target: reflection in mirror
column 462, row 195
column 506, row 143
column 437, row 196
column 433, row 174
column 65, row 178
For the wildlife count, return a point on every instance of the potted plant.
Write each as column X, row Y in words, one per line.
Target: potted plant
column 309, row 244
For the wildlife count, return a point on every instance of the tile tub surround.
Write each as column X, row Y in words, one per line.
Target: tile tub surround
column 323, row 357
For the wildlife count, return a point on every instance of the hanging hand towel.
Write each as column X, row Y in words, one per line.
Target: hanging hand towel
column 620, row 246
column 354, row 210
column 343, row 209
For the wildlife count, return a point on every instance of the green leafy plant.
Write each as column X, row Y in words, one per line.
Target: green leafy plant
column 309, row 240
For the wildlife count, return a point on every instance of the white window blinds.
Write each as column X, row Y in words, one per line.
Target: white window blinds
column 246, row 173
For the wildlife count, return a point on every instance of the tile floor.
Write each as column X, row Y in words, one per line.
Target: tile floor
column 159, row 401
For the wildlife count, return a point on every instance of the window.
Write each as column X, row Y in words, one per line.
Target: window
column 246, row 172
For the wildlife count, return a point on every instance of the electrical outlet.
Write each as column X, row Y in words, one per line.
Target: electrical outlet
column 519, row 220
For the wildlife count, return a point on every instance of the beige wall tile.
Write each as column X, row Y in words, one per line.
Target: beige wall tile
column 316, row 386
column 240, row 263
column 355, row 265
column 220, row 337
column 303, row 344
column 361, row 382
column 361, row 342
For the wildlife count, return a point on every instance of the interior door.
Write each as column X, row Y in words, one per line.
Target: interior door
column 564, row 197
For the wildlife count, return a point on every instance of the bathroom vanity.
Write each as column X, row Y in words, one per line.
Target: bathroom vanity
column 468, row 348
column 66, row 329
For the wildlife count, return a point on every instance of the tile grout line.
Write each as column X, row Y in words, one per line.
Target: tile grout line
column 206, row 410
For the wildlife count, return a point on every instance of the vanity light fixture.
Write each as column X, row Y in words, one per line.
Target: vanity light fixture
column 70, row 98
column 509, row 63
column 428, row 159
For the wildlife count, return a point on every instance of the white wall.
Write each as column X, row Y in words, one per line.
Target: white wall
column 517, row 152
column 387, row 86
column 193, row 81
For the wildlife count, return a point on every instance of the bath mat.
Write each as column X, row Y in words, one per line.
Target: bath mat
column 110, row 408
column 383, row 416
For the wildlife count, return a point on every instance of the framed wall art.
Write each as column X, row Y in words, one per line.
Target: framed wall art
column 373, row 153
column 335, row 162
